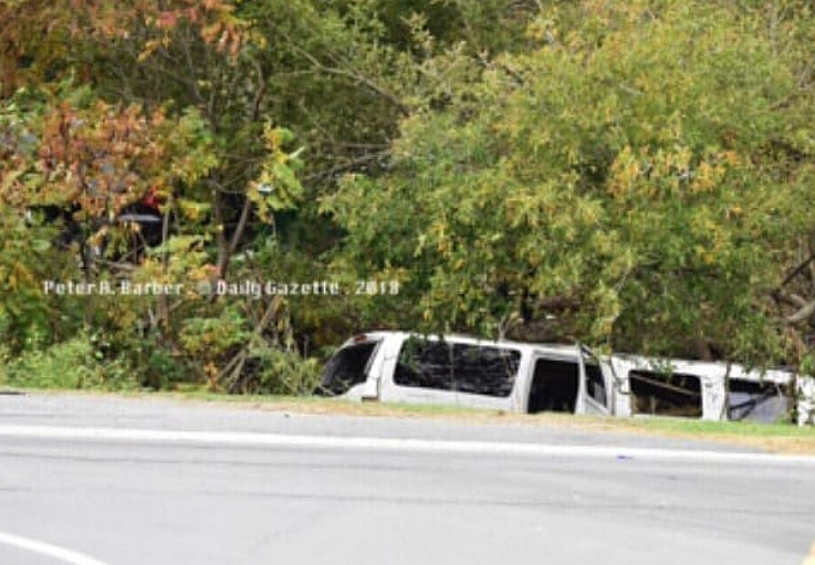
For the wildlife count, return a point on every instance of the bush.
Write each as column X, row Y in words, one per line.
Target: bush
column 72, row 364
column 268, row 369
column 4, row 359
column 161, row 370
column 213, row 337
column 66, row 365
column 286, row 372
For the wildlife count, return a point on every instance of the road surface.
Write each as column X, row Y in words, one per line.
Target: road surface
column 106, row 481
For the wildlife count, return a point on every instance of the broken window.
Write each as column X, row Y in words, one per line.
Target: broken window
column 461, row 367
column 348, row 367
column 757, row 401
column 484, row 370
column 554, row 386
column 666, row 394
column 595, row 385
column 424, row 363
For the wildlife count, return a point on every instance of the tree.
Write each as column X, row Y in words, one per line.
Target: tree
column 629, row 182
column 207, row 107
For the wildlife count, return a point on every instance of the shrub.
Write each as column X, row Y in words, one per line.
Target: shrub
column 4, row 359
column 72, row 364
column 65, row 365
column 286, row 372
column 268, row 369
column 162, row 370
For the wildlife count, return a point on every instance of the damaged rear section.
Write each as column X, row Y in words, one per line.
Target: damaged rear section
column 666, row 394
column 758, row 401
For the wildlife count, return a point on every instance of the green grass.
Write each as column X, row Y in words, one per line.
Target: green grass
column 319, row 403
column 699, row 427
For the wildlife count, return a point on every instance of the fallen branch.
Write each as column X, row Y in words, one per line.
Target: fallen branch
column 803, row 314
column 798, row 270
column 232, row 371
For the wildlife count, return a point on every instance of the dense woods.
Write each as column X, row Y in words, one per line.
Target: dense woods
column 638, row 175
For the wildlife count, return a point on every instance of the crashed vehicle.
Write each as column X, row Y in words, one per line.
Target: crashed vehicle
column 528, row 378
column 144, row 217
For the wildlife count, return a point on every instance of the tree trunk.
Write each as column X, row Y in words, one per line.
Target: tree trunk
column 228, row 246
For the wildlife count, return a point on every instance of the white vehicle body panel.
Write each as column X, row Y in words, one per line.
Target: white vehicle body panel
column 711, row 374
column 615, row 372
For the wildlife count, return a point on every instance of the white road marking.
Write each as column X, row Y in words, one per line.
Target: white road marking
column 397, row 444
column 58, row 553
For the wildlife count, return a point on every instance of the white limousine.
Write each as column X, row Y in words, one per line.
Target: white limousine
column 525, row 377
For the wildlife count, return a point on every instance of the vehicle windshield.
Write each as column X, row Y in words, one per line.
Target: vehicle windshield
column 348, row 367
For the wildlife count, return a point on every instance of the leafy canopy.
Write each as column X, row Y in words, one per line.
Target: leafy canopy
column 628, row 180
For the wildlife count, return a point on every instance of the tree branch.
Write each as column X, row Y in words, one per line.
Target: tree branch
column 353, row 74
column 237, row 235
column 261, row 92
column 803, row 314
column 798, row 270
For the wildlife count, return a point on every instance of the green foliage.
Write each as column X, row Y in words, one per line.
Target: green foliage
column 622, row 170
column 808, row 365
column 72, row 364
column 158, row 369
column 284, row 372
column 27, row 259
column 277, row 187
column 637, row 175
column 210, row 338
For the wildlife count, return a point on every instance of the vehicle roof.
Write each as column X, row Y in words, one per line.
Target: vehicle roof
column 705, row 368
column 557, row 348
column 714, row 369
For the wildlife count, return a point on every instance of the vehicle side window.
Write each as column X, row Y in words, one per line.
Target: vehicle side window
column 666, row 394
column 424, row 363
column 485, row 370
column 757, row 401
column 457, row 367
column 555, row 386
column 595, row 385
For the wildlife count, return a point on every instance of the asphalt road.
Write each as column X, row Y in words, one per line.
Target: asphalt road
column 154, row 482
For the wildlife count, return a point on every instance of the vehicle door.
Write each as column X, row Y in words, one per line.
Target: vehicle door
column 594, row 396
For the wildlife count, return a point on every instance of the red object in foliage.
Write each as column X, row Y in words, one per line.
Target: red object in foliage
column 151, row 200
